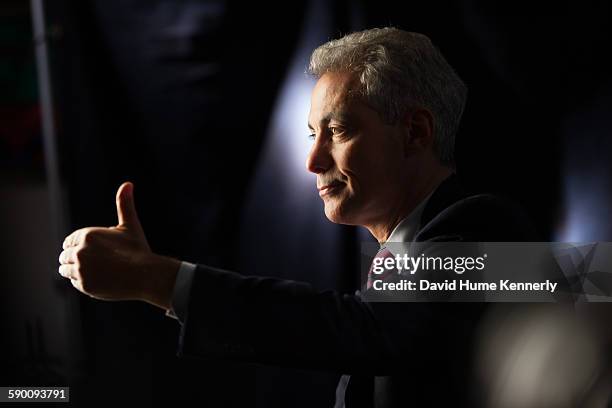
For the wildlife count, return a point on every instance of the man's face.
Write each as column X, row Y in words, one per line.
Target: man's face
column 358, row 159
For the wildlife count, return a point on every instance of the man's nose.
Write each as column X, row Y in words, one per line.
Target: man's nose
column 319, row 159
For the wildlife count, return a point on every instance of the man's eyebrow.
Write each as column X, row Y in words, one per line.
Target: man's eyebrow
column 338, row 115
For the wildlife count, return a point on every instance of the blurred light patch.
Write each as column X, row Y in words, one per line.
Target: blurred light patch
column 289, row 132
column 539, row 356
column 585, row 206
column 587, row 175
column 288, row 136
column 283, row 208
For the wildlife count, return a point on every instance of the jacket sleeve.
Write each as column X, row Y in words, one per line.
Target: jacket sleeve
column 288, row 323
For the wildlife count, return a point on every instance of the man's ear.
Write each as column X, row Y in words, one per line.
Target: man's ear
column 418, row 125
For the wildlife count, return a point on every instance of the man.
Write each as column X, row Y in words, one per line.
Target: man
column 383, row 117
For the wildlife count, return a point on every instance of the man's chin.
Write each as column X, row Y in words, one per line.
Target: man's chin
column 338, row 214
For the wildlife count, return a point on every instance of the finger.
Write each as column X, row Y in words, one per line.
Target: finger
column 68, row 256
column 74, row 238
column 69, row 241
column 68, row 271
column 126, row 208
column 77, row 285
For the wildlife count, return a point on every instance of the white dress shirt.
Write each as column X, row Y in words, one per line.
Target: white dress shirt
column 408, row 227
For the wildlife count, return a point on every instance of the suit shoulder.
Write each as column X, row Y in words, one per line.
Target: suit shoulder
column 481, row 217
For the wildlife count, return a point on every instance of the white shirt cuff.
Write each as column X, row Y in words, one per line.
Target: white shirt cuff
column 180, row 294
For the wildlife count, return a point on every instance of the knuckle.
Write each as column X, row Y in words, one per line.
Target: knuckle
column 89, row 237
column 65, row 271
column 77, row 285
column 68, row 240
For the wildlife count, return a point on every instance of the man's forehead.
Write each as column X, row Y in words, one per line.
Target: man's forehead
column 335, row 87
column 332, row 97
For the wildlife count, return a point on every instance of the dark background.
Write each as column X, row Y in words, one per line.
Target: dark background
column 186, row 99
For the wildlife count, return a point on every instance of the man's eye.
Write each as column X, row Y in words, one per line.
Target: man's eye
column 312, row 136
column 338, row 132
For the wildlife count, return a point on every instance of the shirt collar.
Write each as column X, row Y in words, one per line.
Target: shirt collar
column 408, row 227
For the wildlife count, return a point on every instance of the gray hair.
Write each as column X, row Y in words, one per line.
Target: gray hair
column 399, row 70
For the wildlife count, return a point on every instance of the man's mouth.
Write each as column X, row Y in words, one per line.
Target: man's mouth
column 331, row 188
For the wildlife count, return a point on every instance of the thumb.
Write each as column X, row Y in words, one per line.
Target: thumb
column 126, row 209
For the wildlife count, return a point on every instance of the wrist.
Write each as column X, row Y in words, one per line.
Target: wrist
column 159, row 279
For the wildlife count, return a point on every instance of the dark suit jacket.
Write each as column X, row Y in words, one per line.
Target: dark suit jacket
column 398, row 354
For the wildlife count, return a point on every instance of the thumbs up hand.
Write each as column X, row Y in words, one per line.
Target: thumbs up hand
column 116, row 263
